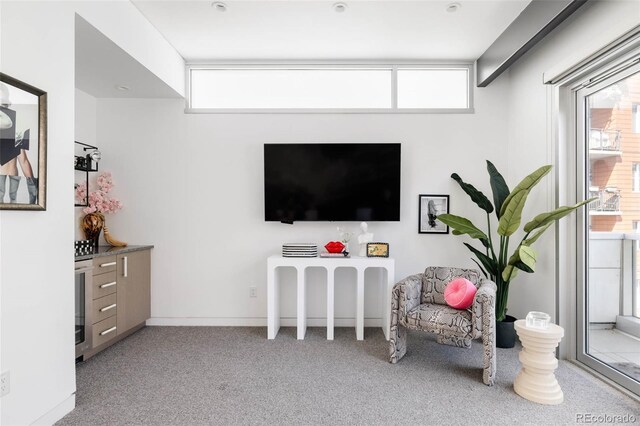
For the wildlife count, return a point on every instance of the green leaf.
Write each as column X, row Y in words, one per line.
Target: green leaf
column 461, row 226
column 527, row 257
column 532, row 239
column 525, row 185
column 546, row 218
column 523, row 258
column 511, row 212
column 498, row 187
column 515, row 257
column 476, row 196
column 509, row 273
column 521, row 266
column 512, row 215
column 488, row 263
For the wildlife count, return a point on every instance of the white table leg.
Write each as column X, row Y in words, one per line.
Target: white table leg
column 330, row 302
column 386, row 300
column 273, row 314
column 360, row 305
column 302, row 306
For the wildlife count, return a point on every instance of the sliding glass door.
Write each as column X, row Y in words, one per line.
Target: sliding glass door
column 608, row 135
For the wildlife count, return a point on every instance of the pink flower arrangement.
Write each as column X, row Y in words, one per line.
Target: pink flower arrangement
column 99, row 201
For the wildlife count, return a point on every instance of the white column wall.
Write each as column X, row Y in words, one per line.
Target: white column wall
column 36, row 267
column 37, row 260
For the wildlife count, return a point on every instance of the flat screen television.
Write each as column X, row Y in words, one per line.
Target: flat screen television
column 332, row 182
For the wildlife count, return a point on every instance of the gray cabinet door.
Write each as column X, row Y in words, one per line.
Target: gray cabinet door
column 134, row 289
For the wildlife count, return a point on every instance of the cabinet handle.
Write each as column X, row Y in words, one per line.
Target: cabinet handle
column 106, row 308
column 108, row 284
column 126, row 269
column 108, row 331
column 104, row 265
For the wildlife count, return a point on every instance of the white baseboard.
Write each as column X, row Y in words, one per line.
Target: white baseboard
column 60, row 410
column 256, row 322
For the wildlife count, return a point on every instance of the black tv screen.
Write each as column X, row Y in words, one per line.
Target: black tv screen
column 332, row 182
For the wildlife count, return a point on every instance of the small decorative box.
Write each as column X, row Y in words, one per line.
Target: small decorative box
column 83, row 247
column 538, row 320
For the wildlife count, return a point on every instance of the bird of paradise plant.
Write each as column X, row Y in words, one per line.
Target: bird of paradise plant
column 495, row 262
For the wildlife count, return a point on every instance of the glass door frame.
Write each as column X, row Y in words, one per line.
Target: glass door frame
column 602, row 78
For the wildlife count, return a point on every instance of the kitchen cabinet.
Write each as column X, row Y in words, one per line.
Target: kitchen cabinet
column 134, row 289
column 121, row 295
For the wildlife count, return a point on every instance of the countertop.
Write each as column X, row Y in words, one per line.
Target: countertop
column 110, row 251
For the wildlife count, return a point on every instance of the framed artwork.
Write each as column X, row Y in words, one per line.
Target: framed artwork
column 377, row 250
column 430, row 206
column 23, row 145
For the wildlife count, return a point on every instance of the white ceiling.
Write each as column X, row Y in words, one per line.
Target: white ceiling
column 303, row 30
column 101, row 66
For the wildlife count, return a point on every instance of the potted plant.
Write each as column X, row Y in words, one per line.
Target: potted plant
column 494, row 260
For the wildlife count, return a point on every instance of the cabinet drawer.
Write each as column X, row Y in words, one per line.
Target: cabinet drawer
column 104, row 331
column 102, row 265
column 104, row 308
column 104, row 284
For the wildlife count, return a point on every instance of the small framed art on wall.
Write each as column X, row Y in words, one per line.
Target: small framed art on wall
column 429, row 207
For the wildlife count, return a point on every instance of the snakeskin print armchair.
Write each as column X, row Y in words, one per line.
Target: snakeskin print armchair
column 417, row 303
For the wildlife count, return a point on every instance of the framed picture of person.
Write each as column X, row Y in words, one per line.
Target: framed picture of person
column 430, row 206
column 23, row 145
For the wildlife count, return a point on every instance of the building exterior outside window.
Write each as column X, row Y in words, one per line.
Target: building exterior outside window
column 614, row 156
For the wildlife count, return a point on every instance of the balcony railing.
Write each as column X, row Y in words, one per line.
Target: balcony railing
column 608, row 200
column 604, row 139
column 614, row 280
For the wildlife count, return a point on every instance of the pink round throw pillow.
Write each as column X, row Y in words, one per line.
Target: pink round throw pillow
column 459, row 293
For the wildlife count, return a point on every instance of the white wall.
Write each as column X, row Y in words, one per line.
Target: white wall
column 193, row 186
column 85, row 118
column 36, row 267
column 530, row 141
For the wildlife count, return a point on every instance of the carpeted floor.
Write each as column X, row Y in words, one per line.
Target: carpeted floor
column 234, row 375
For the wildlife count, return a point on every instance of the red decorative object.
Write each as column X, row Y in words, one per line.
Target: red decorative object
column 334, row 247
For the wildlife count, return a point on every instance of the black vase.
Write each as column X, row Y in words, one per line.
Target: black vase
column 505, row 332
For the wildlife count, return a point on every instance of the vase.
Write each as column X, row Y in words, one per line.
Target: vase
column 91, row 225
column 505, row 332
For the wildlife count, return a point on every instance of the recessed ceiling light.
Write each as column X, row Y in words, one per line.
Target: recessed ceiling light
column 453, row 7
column 340, row 7
column 219, row 6
column 123, row 88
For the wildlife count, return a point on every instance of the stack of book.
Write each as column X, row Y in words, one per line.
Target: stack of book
column 299, row 250
column 339, row 255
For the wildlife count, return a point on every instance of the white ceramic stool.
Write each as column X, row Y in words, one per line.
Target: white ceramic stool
column 536, row 380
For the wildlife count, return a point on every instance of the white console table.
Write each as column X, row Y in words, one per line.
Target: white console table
column 360, row 264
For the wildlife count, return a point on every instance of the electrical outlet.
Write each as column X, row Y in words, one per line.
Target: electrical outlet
column 253, row 292
column 4, row 383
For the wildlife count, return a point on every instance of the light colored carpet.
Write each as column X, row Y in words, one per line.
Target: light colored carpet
column 234, row 375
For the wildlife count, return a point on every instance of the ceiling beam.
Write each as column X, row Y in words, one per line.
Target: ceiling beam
column 537, row 20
